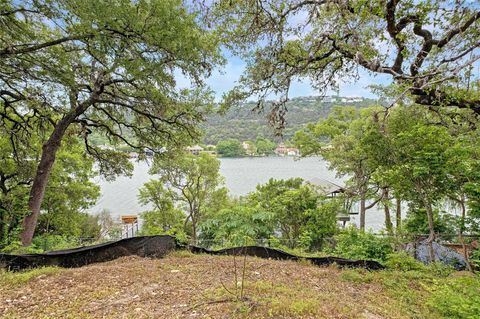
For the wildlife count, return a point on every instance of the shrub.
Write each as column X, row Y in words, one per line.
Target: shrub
column 475, row 258
column 12, row 279
column 456, row 297
column 439, row 269
column 355, row 244
column 403, row 261
column 16, row 247
column 59, row 242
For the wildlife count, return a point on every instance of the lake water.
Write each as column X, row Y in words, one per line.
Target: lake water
column 241, row 177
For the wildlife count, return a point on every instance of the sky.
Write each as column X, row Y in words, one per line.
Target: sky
column 225, row 79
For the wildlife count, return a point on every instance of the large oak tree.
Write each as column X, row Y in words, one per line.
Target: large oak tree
column 430, row 49
column 103, row 67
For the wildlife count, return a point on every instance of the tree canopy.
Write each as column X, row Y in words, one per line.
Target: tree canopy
column 189, row 183
column 109, row 68
column 428, row 48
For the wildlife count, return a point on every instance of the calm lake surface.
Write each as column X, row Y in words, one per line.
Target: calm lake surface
column 241, row 177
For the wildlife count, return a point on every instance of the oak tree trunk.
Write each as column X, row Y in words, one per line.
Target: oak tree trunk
column 362, row 211
column 3, row 226
column 398, row 215
column 388, row 219
column 431, row 236
column 386, row 208
column 37, row 192
column 460, row 235
column 44, row 168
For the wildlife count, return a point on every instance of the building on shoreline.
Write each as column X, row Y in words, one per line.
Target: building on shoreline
column 283, row 150
column 331, row 190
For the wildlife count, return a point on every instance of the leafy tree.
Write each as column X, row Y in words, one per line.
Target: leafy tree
column 68, row 194
column 321, row 224
column 354, row 244
column 187, row 182
column 230, row 148
column 431, row 161
column 66, row 197
column 264, row 146
column 108, row 68
column 238, row 225
column 429, row 49
column 417, row 222
column 298, row 211
column 340, row 139
column 164, row 217
column 421, row 173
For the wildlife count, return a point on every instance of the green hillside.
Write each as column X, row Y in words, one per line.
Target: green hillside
column 243, row 123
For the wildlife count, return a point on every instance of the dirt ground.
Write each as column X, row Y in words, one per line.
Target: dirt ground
column 186, row 286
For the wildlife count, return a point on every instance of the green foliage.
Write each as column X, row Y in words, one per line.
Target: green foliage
column 338, row 40
column 301, row 215
column 241, row 123
column 283, row 213
column 69, row 192
column 189, row 185
column 16, row 247
column 13, row 279
column 416, row 222
column 230, row 148
column 475, row 258
column 106, row 70
column 344, row 139
column 355, row 244
column 456, row 298
column 403, row 261
column 50, row 242
column 59, row 242
column 321, row 223
column 264, row 146
column 238, row 225
column 164, row 218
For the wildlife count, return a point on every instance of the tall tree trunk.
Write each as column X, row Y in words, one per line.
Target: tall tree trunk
column 398, row 215
column 44, row 168
column 194, row 231
column 362, row 211
column 386, row 208
column 431, row 236
column 388, row 219
column 37, row 192
column 3, row 227
column 460, row 234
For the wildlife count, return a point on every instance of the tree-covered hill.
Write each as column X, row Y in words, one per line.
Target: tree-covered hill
column 243, row 123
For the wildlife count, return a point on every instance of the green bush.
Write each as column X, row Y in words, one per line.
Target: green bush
column 456, row 298
column 475, row 258
column 355, row 244
column 403, row 261
column 439, row 269
column 17, row 248
column 10, row 279
column 59, row 242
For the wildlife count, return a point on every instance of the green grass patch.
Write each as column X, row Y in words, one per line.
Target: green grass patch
column 456, row 298
column 10, row 279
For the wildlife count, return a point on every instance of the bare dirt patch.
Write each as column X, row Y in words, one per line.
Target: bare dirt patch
column 187, row 286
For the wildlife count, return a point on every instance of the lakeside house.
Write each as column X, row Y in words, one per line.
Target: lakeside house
column 283, row 150
column 249, row 148
column 331, row 190
column 197, row 149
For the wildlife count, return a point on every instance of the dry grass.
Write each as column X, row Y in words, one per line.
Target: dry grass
column 186, row 286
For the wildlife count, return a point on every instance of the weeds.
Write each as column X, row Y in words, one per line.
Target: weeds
column 12, row 279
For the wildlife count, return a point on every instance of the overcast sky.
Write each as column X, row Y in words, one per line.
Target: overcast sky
column 224, row 80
